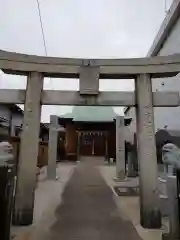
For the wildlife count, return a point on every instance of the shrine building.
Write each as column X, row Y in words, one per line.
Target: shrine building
column 89, row 131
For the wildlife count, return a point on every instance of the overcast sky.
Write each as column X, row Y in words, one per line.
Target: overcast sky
column 79, row 28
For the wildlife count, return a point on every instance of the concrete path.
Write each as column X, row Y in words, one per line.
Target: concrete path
column 88, row 210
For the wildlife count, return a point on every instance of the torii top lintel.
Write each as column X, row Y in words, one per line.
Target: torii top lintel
column 22, row 64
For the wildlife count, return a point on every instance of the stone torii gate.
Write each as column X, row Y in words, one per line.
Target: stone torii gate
column 88, row 71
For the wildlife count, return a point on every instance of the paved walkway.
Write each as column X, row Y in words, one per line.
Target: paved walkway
column 88, row 211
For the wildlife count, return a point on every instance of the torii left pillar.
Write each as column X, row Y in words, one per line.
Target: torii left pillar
column 52, row 147
column 27, row 166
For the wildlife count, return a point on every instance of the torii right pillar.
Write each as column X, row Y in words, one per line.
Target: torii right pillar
column 149, row 212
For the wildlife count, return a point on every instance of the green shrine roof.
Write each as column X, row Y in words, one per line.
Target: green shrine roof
column 91, row 114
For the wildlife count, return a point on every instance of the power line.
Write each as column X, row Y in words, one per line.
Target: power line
column 42, row 29
column 43, row 35
column 165, row 6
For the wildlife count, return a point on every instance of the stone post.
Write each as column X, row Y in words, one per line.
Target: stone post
column 52, row 147
column 120, row 149
column 149, row 212
column 106, row 142
column 27, row 167
column 78, row 145
column 173, row 207
column 131, row 165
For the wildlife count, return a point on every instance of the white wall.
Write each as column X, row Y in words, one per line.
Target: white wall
column 169, row 116
column 165, row 116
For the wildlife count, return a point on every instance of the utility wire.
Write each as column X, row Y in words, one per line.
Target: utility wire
column 42, row 30
column 165, row 6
